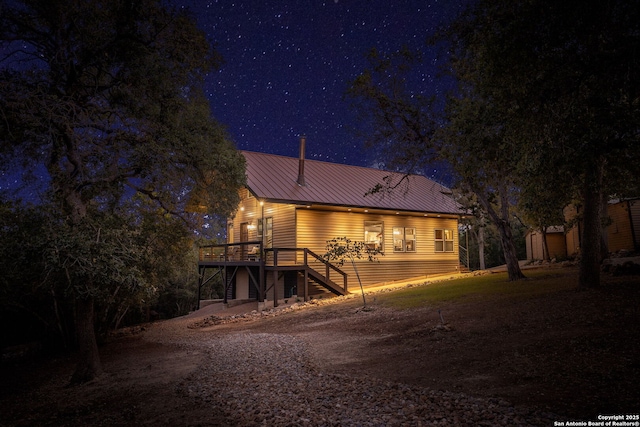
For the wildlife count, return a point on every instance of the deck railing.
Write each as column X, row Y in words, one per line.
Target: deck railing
column 312, row 260
column 272, row 257
column 230, row 252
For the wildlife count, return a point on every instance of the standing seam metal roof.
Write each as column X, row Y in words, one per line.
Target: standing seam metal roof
column 274, row 178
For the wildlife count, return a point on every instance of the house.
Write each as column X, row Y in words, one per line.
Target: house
column 623, row 232
column 556, row 244
column 291, row 207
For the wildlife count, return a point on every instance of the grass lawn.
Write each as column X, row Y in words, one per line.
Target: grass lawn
column 538, row 282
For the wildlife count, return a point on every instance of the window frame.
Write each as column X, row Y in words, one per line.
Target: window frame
column 380, row 238
column 400, row 236
column 267, row 231
column 443, row 241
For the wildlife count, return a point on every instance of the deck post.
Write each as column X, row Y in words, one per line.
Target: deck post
column 327, row 271
column 201, row 271
column 224, row 286
column 306, row 284
column 262, row 285
column 275, row 288
column 275, row 278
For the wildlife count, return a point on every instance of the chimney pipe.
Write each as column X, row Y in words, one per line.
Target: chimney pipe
column 303, row 141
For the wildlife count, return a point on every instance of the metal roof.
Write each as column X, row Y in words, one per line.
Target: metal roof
column 274, row 178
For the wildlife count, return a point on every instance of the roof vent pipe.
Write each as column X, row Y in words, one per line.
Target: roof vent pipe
column 303, row 141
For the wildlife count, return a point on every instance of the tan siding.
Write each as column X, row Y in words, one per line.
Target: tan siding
column 284, row 235
column 528, row 240
column 250, row 211
column 315, row 227
column 619, row 231
column 555, row 241
column 556, row 244
column 534, row 245
column 572, row 236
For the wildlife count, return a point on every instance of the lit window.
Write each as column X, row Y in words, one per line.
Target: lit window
column 373, row 235
column 268, row 232
column 404, row 239
column 444, row 240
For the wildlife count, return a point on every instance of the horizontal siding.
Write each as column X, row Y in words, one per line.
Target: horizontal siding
column 284, row 230
column 555, row 241
column 619, row 231
column 557, row 245
column 250, row 211
column 315, row 227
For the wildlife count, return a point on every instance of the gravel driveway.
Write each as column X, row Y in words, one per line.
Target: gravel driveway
column 272, row 379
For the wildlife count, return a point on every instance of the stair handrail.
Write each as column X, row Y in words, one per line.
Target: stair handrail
column 328, row 266
column 306, row 251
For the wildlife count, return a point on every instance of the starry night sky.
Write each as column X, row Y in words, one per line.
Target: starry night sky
column 288, row 64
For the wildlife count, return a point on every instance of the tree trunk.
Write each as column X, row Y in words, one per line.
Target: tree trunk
column 509, row 251
column 589, row 276
column 545, row 246
column 501, row 220
column 88, row 366
column 481, row 247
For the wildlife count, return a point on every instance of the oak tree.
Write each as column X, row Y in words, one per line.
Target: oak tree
column 104, row 100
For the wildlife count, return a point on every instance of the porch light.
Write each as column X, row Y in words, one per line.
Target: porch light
column 261, row 203
column 251, row 226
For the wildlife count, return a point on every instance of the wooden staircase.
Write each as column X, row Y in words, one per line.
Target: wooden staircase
column 314, row 275
column 321, row 281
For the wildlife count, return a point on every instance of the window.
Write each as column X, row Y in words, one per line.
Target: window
column 268, row 232
column 404, row 239
column 262, row 224
column 444, row 240
column 373, row 235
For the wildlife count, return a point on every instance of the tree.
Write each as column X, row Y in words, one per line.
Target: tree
column 341, row 249
column 475, row 224
column 105, row 99
column 564, row 77
column 408, row 129
column 485, row 159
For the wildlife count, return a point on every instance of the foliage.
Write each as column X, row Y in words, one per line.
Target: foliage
column 399, row 119
column 104, row 99
column 493, row 253
column 129, row 266
column 341, row 249
column 546, row 109
column 25, row 312
column 412, row 134
column 561, row 77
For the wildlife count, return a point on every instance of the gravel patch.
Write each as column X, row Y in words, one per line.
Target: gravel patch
column 255, row 379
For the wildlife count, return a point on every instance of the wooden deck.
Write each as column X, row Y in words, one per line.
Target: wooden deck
column 252, row 257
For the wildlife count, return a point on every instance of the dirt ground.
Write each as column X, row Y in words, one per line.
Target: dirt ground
column 575, row 354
